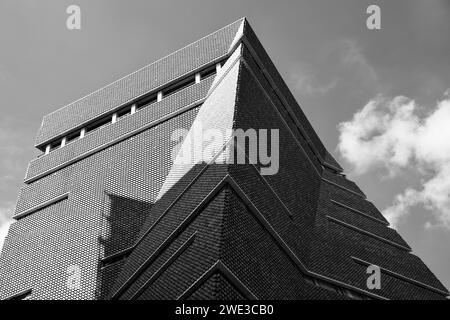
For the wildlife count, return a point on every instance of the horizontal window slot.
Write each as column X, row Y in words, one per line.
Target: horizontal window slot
column 179, row 86
column 141, row 103
column 359, row 212
column 367, row 233
column 98, row 124
column 73, row 136
column 344, row 188
column 99, row 148
column 146, row 101
column 333, row 169
column 208, row 72
column 55, row 145
column 124, row 112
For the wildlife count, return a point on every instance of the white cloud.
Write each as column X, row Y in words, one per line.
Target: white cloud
column 5, row 222
column 392, row 134
column 3, row 233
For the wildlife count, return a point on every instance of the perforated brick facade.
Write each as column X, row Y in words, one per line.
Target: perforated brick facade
column 137, row 226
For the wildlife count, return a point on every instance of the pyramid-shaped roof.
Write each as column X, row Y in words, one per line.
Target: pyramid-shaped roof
column 221, row 230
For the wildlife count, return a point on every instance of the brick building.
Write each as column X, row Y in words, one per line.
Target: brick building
column 105, row 205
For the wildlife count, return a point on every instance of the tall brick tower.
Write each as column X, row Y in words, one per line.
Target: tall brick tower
column 105, row 213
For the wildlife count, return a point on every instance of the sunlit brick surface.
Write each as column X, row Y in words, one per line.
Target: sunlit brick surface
column 214, row 231
column 142, row 81
column 92, row 222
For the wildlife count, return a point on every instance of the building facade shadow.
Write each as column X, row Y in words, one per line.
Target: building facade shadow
column 122, row 220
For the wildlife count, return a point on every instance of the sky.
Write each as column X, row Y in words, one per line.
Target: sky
column 379, row 99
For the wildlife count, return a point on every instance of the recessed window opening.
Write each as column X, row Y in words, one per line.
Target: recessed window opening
column 124, row 112
column 55, row 144
column 179, row 86
column 128, row 110
column 208, row 72
column 146, row 101
column 98, row 124
column 73, row 136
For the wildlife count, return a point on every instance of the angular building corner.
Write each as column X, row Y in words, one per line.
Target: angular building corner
column 108, row 212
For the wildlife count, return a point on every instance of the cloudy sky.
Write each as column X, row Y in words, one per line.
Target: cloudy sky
column 379, row 99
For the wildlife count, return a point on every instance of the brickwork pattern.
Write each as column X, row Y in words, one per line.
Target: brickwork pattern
column 220, row 231
column 165, row 70
column 77, row 231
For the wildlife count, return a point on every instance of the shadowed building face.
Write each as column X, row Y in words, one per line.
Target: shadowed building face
column 107, row 197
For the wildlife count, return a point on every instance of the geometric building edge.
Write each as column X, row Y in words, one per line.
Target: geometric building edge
column 106, row 213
